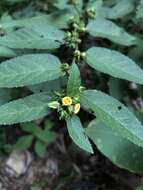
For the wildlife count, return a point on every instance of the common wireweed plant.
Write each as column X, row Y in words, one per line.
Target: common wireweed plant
column 32, row 45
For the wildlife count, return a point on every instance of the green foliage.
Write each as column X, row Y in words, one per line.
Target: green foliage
column 40, row 137
column 119, row 10
column 24, row 143
column 36, row 187
column 7, row 52
column 121, row 151
column 74, row 81
column 39, row 36
column 120, row 65
column 139, row 12
column 114, row 114
column 26, row 70
column 25, row 109
column 98, row 28
column 77, row 134
column 40, row 148
column 46, row 55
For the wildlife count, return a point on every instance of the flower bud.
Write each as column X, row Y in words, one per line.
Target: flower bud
column 54, row 104
column 76, row 108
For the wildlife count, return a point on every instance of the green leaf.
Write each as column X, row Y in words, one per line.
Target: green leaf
column 26, row 109
column 29, row 69
column 28, row 127
column 119, row 150
column 7, row 52
column 77, row 133
column 24, row 142
column 48, row 125
column 25, row 22
column 111, row 112
column 107, row 29
column 36, row 187
column 5, row 17
column 114, row 63
column 61, row 18
column 58, row 19
column 49, row 86
column 39, row 36
column 46, row 136
column 40, row 148
column 74, row 81
column 139, row 12
column 61, row 4
column 121, row 9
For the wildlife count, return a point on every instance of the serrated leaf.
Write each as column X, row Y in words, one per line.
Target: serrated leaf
column 114, row 114
column 40, row 148
column 29, row 69
column 39, row 36
column 114, row 63
column 24, row 142
column 107, row 29
column 119, row 150
column 25, row 109
column 74, row 81
column 77, row 133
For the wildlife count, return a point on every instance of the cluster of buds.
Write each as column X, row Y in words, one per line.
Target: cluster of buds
column 79, row 55
column 77, row 23
column 66, row 106
column 91, row 13
column 72, row 39
column 65, row 68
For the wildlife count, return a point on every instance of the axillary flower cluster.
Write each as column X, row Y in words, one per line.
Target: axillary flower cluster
column 66, row 106
column 67, row 101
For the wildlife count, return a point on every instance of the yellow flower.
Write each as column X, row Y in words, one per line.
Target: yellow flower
column 67, row 101
column 76, row 108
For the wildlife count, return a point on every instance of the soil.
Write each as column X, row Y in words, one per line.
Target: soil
column 68, row 168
